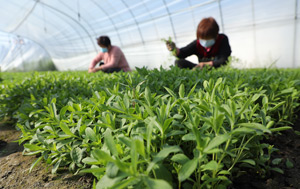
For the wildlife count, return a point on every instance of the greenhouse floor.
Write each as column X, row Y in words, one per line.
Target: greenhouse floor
column 14, row 167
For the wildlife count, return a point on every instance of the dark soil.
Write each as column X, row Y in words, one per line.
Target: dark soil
column 14, row 167
column 288, row 143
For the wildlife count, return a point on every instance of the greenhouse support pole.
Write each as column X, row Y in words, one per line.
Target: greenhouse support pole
column 152, row 20
column 75, row 21
column 295, row 33
column 111, row 20
column 136, row 23
column 171, row 21
column 21, row 51
column 193, row 14
column 79, row 17
column 254, row 29
column 221, row 15
column 25, row 17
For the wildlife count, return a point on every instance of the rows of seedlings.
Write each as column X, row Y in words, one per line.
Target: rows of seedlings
column 156, row 128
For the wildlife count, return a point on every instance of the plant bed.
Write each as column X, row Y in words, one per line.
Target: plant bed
column 164, row 128
column 287, row 156
column 14, row 167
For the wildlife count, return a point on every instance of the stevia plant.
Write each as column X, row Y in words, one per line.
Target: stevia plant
column 154, row 128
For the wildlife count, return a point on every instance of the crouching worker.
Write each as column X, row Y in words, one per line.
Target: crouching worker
column 211, row 48
column 111, row 58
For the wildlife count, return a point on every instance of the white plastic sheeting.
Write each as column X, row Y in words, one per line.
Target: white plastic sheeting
column 20, row 54
column 261, row 33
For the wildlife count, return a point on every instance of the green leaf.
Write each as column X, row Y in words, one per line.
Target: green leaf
column 297, row 133
column 124, row 166
column 162, row 155
column 242, row 130
column 53, row 108
column 109, row 141
column 257, row 126
column 93, row 170
column 167, row 123
column 189, row 137
column 265, row 101
column 192, row 90
column 181, row 91
column 161, row 172
column 90, row 134
column 148, row 96
column 125, row 140
column 280, row 128
column 286, row 91
column 178, row 116
column 218, row 81
column 76, row 155
column 249, row 161
column 125, row 183
column 277, row 106
column 106, row 182
column 255, row 97
column 149, row 136
column 134, row 157
column 278, row 170
column 180, row 158
column 140, row 147
column 35, row 163
column 218, row 121
column 214, row 150
column 170, row 92
column 276, row 161
column 212, row 166
column 111, row 170
column 175, row 132
column 55, row 167
column 90, row 161
column 101, row 155
column 270, row 124
column 224, row 172
column 153, row 121
column 289, row 164
column 215, row 142
column 156, row 183
column 126, row 101
column 66, row 129
column 206, row 85
column 63, row 111
column 33, row 147
column 187, row 169
column 204, row 107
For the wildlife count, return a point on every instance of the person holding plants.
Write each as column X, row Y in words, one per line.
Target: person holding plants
column 111, row 58
column 211, row 48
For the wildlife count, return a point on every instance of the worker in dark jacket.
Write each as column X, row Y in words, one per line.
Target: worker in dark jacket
column 211, row 48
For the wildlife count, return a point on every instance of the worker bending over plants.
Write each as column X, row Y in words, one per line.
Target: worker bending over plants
column 111, row 58
column 211, row 48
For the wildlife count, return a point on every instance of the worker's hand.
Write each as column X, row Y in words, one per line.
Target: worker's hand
column 170, row 45
column 199, row 66
column 202, row 64
column 92, row 70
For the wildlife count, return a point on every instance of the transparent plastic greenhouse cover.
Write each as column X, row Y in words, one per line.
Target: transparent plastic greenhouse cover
column 261, row 33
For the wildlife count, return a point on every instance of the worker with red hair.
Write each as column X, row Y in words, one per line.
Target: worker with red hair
column 211, row 47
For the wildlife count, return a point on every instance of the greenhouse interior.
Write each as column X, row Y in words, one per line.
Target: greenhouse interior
column 261, row 33
column 158, row 94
